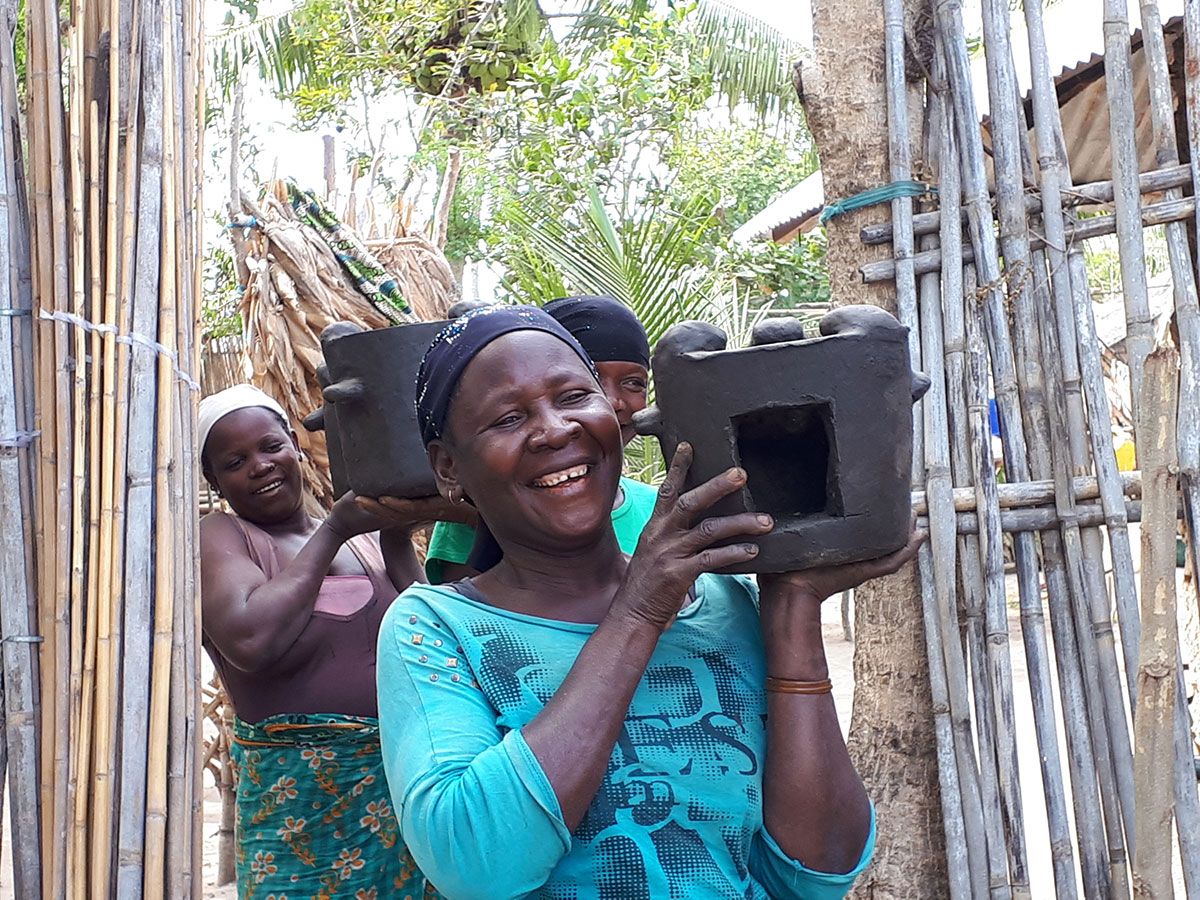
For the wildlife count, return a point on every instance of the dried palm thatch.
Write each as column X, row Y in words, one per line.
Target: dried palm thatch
column 305, row 271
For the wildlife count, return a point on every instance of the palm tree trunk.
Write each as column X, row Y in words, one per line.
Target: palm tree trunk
column 892, row 736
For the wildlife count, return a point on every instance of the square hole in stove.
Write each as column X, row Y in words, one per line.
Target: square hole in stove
column 786, row 452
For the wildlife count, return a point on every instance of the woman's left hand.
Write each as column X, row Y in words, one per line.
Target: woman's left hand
column 824, row 581
column 410, row 515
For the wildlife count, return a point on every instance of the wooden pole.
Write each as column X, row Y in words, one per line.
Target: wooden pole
column 154, row 874
column 1187, row 323
column 994, row 293
column 1096, row 193
column 1122, row 131
column 943, row 545
column 139, row 574
column 18, row 654
column 1076, row 232
column 959, row 868
column 1154, row 717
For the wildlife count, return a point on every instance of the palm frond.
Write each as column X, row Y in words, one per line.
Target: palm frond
column 649, row 263
column 271, row 44
column 749, row 59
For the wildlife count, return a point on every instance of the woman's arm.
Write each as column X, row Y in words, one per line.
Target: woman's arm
column 814, row 804
column 400, row 558
column 573, row 736
column 253, row 619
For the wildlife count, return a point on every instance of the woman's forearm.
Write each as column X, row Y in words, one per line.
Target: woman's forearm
column 814, row 804
column 400, row 558
column 574, row 734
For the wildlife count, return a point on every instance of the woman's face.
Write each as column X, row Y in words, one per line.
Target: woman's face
column 254, row 462
column 533, row 441
column 625, row 386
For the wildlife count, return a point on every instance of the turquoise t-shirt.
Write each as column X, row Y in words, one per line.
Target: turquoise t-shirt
column 679, row 813
column 451, row 542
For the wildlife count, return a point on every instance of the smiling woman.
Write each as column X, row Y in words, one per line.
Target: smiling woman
column 616, row 343
column 575, row 722
column 291, row 611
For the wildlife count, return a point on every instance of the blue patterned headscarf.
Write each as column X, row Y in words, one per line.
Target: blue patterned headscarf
column 460, row 342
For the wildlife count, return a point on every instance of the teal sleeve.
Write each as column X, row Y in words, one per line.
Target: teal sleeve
column 450, row 542
column 474, row 805
column 788, row 879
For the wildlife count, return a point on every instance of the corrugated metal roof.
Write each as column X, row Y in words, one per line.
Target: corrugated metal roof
column 787, row 213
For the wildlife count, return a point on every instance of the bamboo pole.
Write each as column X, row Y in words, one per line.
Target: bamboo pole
column 1057, row 448
column 1154, row 718
column 952, row 346
column 957, row 858
column 83, row 748
column 17, row 576
column 154, row 873
column 1158, row 213
column 1004, row 374
column 1013, row 521
column 1122, row 130
column 1028, row 493
column 942, row 556
column 139, row 585
column 184, row 851
column 77, row 602
column 122, row 206
column 947, row 372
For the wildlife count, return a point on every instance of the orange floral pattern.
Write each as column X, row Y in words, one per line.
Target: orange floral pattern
column 314, row 819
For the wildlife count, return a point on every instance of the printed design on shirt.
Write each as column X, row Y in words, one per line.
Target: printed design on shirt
column 688, row 742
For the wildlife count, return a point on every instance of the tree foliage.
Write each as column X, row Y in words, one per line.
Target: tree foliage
column 617, row 155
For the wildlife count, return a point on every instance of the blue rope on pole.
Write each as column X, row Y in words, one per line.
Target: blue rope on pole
column 884, row 193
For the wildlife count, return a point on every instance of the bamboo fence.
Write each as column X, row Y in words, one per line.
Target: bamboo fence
column 101, row 143
column 991, row 282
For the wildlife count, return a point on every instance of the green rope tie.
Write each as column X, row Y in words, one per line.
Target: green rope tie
column 884, row 193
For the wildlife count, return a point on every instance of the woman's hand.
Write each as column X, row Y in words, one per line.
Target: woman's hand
column 677, row 543
column 409, row 515
column 824, row 581
column 350, row 517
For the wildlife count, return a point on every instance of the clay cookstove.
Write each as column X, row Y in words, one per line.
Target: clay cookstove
column 823, row 428
column 370, row 416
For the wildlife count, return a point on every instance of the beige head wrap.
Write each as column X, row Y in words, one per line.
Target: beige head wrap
column 217, row 406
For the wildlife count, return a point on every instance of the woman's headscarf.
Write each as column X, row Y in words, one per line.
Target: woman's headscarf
column 605, row 327
column 215, row 407
column 460, row 342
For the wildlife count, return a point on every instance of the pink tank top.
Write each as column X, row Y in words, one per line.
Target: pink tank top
column 331, row 666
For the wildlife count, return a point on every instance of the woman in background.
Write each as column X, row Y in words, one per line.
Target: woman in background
column 291, row 612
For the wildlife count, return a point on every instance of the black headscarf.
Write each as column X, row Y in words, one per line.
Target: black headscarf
column 460, row 342
column 605, row 327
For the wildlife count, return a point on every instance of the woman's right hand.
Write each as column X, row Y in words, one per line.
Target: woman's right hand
column 349, row 517
column 676, row 545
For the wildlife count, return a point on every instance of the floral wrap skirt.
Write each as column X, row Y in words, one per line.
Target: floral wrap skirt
column 314, row 818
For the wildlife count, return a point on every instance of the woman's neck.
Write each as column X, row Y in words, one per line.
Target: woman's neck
column 299, row 523
column 572, row 586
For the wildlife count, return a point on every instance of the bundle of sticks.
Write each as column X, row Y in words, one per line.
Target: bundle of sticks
column 996, row 295
column 99, row 264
